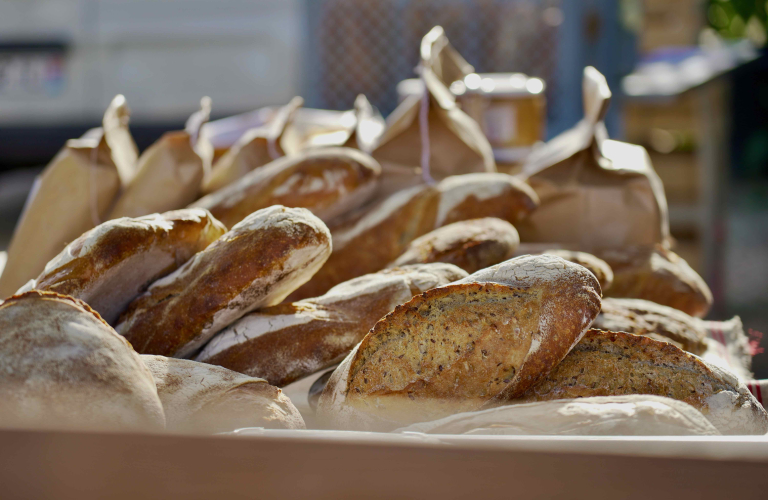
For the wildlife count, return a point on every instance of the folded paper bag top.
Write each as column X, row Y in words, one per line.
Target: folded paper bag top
column 595, row 193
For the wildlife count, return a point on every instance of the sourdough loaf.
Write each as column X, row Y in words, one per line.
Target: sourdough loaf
column 598, row 267
column 464, row 346
column 369, row 240
column 256, row 264
column 658, row 275
column 110, row 265
column 329, row 182
column 471, row 245
column 617, row 364
column 598, row 416
column 204, row 399
column 643, row 317
column 63, row 367
column 287, row 342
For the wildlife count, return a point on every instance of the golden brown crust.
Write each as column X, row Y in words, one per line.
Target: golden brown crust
column 328, row 182
column 112, row 264
column 471, row 245
column 643, row 317
column 598, row 267
column 658, row 275
column 255, row 264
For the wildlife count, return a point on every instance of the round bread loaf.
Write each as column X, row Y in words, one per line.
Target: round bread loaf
column 256, row 264
column 471, row 245
column 597, row 416
column 463, row 346
column 287, row 342
column 598, row 267
column 206, row 399
column 327, row 181
column 63, row 367
column 619, row 364
column 110, row 265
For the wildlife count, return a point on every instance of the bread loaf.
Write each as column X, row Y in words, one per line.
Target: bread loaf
column 63, row 367
column 329, row 182
column 598, row 267
column 204, row 399
column 464, row 346
column 643, row 317
column 368, row 241
column 471, row 245
column 658, row 275
column 256, row 264
column 598, row 416
column 110, row 265
column 618, row 364
column 287, row 342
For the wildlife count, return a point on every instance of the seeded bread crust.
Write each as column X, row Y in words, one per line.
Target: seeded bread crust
column 256, row 264
column 288, row 342
column 113, row 263
column 617, row 364
column 643, row 317
column 471, row 245
column 205, row 399
column 329, row 182
column 464, row 346
column 368, row 241
column 598, row 267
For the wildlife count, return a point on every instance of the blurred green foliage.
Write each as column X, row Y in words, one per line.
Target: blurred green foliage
column 740, row 19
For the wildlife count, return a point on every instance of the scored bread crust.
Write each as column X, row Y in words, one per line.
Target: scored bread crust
column 616, row 363
column 643, row 317
column 598, row 267
column 368, row 241
column 471, row 245
column 256, row 264
column 110, row 265
column 329, row 182
column 287, row 342
column 201, row 398
column 64, row 367
column 464, row 346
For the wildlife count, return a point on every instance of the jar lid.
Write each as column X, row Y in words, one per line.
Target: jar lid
column 499, row 84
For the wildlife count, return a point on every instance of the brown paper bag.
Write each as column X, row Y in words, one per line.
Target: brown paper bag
column 119, row 138
column 595, row 193
column 256, row 147
column 71, row 196
column 169, row 172
column 446, row 63
column 369, row 126
column 454, row 143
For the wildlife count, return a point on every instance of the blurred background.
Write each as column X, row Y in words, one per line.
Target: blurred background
column 689, row 77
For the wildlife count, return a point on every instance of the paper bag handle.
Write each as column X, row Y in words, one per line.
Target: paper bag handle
column 596, row 95
column 278, row 124
column 196, row 121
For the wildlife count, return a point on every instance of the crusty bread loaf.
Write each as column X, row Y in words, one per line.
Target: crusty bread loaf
column 643, row 317
column 464, row 346
column 599, row 416
column 110, row 265
column 471, row 245
column 616, row 364
column 205, row 399
column 63, row 367
column 256, row 264
column 599, row 267
column 287, row 342
column 329, row 182
column 371, row 239
column 658, row 275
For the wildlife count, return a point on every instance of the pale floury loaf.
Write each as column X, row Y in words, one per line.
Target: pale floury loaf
column 256, row 264
column 63, row 367
column 204, row 399
column 464, row 346
column 287, row 342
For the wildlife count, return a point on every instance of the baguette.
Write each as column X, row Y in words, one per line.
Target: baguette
column 288, row 342
column 256, row 264
column 204, row 399
column 618, row 364
column 64, row 368
column 113, row 263
column 471, row 245
column 329, row 182
column 464, row 346
column 368, row 241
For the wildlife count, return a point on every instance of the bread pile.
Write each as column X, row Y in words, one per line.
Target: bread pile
column 214, row 284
